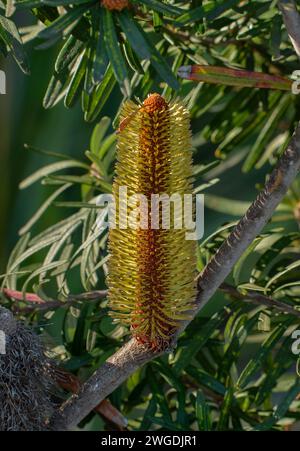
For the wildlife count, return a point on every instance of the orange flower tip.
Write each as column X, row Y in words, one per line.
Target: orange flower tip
column 154, row 102
column 115, row 5
column 185, row 72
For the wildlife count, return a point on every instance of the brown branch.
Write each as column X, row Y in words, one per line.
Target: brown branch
column 259, row 299
column 40, row 304
column 72, row 383
column 291, row 19
column 104, row 381
column 132, row 355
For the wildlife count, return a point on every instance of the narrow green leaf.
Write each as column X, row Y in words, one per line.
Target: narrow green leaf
column 289, row 268
column 256, row 362
column 18, row 250
column 206, row 380
column 161, row 66
column 275, row 38
column 161, row 7
column 223, row 424
column 281, row 409
column 10, row 8
column 75, row 204
column 56, row 88
column 76, row 83
column 184, row 355
column 37, row 272
column 107, row 146
column 50, row 169
column 172, row 379
column 98, row 135
column 10, row 35
column 33, row 250
column 135, row 35
column 202, row 411
column 149, row 414
column 101, row 60
column 158, row 393
column 101, row 95
column 27, row 4
column 242, row 327
column 48, row 153
column 114, row 52
column 226, row 206
column 64, row 23
column 132, row 59
column 266, row 133
column 68, row 53
column 56, row 247
column 209, row 12
column 42, row 209
column 59, row 228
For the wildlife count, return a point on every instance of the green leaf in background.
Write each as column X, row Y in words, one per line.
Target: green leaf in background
column 100, row 95
column 135, row 35
column 101, row 60
column 10, row 36
column 98, row 135
column 225, row 410
column 203, row 414
column 70, row 51
column 57, row 88
column 64, row 23
column 255, row 363
column 281, row 409
column 268, row 129
column 42, row 209
column 50, row 169
column 74, row 89
column 209, row 12
column 184, row 355
column 161, row 7
column 114, row 53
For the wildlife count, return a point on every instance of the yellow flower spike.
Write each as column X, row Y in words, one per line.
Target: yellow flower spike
column 151, row 271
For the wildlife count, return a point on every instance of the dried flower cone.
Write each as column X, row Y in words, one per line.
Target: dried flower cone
column 25, row 379
column 152, row 271
column 115, row 5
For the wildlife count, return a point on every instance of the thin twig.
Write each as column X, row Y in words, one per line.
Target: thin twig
column 291, row 19
column 259, row 299
column 133, row 355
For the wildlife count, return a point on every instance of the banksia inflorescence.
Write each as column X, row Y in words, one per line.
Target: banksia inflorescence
column 115, row 5
column 152, row 269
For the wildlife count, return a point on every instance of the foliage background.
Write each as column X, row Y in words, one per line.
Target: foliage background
column 208, row 383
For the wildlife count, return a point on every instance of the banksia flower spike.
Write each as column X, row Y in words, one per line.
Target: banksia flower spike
column 152, row 268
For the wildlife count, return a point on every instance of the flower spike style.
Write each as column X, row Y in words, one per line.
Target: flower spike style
column 151, row 270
